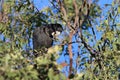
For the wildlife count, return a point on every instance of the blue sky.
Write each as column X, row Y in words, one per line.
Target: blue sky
column 102, row 2
column 41, row 3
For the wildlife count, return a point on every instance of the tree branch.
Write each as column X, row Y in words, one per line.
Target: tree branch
column 76, row 23
column 63, row 10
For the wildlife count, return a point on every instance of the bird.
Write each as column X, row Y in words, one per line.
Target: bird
column 44, row 36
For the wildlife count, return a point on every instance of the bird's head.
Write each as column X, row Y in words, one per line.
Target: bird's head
column 54, row 30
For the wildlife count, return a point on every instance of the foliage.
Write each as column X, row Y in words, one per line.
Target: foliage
column 17, row 60
column 97, row 41
column 89, row 50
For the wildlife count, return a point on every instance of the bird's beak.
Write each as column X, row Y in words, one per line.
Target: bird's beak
column 57, row 33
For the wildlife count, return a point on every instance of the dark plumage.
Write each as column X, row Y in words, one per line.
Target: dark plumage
column 43, row 36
